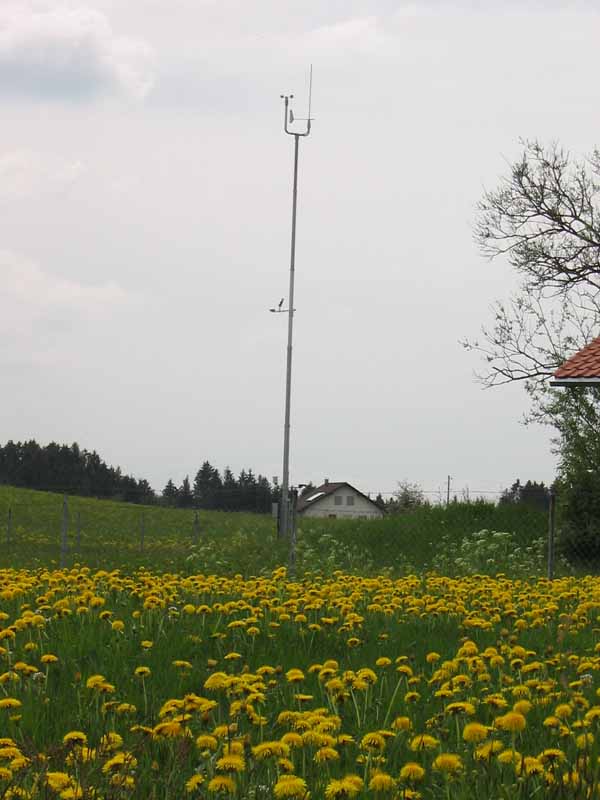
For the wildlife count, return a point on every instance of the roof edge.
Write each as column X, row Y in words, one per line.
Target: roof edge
column 575, row 382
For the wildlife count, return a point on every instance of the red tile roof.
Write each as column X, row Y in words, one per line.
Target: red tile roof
column 584, row 364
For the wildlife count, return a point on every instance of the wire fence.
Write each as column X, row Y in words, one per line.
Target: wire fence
column 468, row 537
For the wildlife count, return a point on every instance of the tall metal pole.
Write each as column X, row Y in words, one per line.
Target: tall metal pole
column 285, row 520
column 285, row 482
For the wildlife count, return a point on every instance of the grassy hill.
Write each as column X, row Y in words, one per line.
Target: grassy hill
column 110, row 537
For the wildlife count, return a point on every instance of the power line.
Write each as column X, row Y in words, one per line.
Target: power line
column 439, row 491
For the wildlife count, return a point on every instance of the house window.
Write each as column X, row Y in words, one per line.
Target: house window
column 338, row 499
column 350, row 500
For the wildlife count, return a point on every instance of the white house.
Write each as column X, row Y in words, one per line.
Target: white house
column 337, row 500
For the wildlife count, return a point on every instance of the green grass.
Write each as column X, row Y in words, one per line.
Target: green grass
column 435, row 537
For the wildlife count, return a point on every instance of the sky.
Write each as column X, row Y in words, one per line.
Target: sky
column 145, row 212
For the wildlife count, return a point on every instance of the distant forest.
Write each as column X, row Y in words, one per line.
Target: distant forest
column 71, row 470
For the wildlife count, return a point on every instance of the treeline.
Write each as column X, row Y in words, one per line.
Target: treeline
column 211, row 490
column 69, row 469
column 531, row 493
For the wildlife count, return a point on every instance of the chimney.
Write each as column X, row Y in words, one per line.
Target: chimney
column 326, row 481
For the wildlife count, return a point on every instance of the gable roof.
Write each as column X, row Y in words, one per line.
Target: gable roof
column 324, row 490
column 582, row 369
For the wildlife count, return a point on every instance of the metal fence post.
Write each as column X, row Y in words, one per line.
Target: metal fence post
column 292, row 530
column 551, row 532
column 196, row 528
column 78, row 539
column 65, row 528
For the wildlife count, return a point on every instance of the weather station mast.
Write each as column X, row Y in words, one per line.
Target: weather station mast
column 286, row 527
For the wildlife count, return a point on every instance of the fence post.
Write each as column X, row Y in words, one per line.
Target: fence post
column 142, row 532
column 9, row 526
column 551, row 531
column 78, row 539
column 65, row 528
column 196, row 528
column 292, row 529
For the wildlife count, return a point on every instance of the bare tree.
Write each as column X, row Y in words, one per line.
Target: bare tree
column 545, row 219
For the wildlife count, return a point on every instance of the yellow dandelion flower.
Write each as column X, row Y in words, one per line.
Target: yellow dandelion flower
column 221, row 784
column 373, row 742
column 231, row 762
column 511, row 757
column 449, row 763
column 563, row 711
column 120, row 761
column 344, row 789
column 326, row 754
column 193, row 783
column 423, row 742
column 290, row 786
column 412, row 772
column 552, row 755
column 57, row 781
column 9, row 703
column 75, row 737
column 532, row 766
column 475, row 732
column 511, row 721
column 94, row 681
column 382, row 782
column 207, row 742
column 273, row 749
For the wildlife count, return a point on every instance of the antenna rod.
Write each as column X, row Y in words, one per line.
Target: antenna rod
column 309, row 95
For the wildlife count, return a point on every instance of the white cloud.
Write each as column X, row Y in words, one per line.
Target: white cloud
column 26, row 286
column 25, row 172
column 69, row 52
column 40, row 312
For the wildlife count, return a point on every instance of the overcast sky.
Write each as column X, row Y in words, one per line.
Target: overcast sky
column 145, row 201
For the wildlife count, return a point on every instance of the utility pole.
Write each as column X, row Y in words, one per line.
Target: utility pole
column 448, row 491
column 285, row 522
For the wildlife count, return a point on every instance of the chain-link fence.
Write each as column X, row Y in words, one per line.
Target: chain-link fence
column 45, row 530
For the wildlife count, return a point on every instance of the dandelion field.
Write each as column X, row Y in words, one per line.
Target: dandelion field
column 167, row 685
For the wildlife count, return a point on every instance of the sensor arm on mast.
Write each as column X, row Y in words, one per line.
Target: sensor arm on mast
column 288, row 114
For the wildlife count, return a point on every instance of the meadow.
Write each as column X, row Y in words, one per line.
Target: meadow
column 392, row 665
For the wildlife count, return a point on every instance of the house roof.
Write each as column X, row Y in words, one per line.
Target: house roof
column 324, row 490
column 582, row 369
